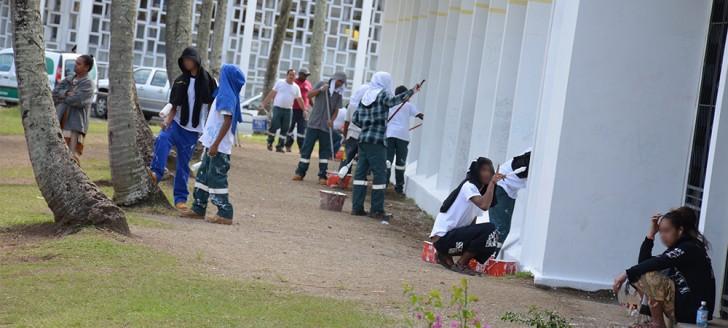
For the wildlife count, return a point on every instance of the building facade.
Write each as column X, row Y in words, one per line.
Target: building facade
column 85, row 24
column 622, row 103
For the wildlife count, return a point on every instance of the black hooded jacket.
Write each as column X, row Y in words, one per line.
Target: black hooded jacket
column 205, row 87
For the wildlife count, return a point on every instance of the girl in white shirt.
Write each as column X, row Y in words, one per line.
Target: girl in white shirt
column 455, row 232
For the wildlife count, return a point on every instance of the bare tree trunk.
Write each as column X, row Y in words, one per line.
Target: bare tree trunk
column 177, row 35
column 218, row 36
column 203, row 30
column 275, row 49
column 317, row 40
column 132, row 183
column 74, row 200
column 144, row 135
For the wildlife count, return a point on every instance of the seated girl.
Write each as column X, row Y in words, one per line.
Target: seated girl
column 455, row 232
column 678, row 280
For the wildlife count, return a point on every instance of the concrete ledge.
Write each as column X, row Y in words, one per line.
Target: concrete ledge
column 423, row 190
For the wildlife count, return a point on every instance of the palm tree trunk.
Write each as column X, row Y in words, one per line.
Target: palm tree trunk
column 144, row 135
column 275, row 49
column 177, row 35
column 132, row 183
column 317, row 39
column 74, row 200
column 218, row 35
column 203, row 30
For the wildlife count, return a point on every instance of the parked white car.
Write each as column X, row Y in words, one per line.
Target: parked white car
column 249, row 109
column 152, row 89
column 57, row 65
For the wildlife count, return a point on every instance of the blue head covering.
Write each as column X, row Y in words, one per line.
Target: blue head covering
column 227, row 96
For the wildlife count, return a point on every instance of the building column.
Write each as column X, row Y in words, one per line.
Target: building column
column 525, row 105
column 411, row 72
column 610, row 149
column 461, row 90
column 423, row 48
column 389, row 36
column 715, row 201
column 250, row 9
column 483, row 112
column 85, row 15
column 502, row 103
column 363, row 43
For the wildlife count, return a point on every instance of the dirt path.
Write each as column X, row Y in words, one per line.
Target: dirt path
column 281, row 236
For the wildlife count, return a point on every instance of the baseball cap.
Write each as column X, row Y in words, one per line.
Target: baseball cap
column 304, row 71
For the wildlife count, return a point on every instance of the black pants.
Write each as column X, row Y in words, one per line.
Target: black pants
column 298, row 123
column 352, row 148
column 481, row 239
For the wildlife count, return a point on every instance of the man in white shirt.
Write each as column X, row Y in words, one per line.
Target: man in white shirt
column 283, row 94
column 398, row 136
column 218, row 138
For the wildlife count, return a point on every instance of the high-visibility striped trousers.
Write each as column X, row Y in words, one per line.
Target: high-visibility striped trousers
column 312, row 136
column 211, row 183
column 371, row 157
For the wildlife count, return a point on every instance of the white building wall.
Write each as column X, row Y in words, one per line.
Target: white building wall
column 611, row 149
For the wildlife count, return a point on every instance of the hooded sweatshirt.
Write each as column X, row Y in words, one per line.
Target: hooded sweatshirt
column 204, row 88
column 319, row 118
column 226, row 103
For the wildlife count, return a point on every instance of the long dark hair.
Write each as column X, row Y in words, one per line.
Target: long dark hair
column 685, row 218
column 473, row 176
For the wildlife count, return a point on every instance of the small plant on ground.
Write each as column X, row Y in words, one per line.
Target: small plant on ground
column 537, row 318
column 429, row 310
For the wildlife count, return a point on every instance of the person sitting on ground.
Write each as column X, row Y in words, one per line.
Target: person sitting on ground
column 678, row 280
column 73, row 97
column 398, row 136
column 327, row 97
column 218, row 138
column 455, row 232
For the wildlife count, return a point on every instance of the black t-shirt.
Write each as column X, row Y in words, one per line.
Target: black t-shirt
column 689, row 266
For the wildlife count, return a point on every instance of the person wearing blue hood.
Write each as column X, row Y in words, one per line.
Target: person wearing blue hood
column 191, row 96
column 218, row 138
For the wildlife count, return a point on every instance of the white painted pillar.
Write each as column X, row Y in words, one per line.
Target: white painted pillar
column 83, row 25
column 421, row 63
column 487, row 79
column 389, row 36
column 247, row 33
column 411, row 72
column 715, row 193
column 462, row 88
column 363, row 43
column 502, row 104
column 525, row 105
column 402, row 58
column 610, row 149
column 227, row 32
column 42, row 9
column 429, row 158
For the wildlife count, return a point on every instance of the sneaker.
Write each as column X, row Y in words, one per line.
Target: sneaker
column 190, row 214
column 359, row 213
column 322, row 181
column 219, row 220
column 288, row 149
column 181, row 206
column 297, row 178
column 270, row 147
column 382, row 217
column 280, row 150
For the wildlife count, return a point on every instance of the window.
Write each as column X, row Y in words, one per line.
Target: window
column 159, row 79
column 142, row 75
column 6, row 62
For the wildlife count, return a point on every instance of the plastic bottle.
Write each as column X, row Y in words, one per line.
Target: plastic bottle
column 702, row 317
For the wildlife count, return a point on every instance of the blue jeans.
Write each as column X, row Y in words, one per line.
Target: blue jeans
column 184, row 141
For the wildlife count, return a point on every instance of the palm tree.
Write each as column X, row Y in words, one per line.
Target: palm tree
column 218, row 35
column 177, row 35
column 317, row 39
column 275, row 49
column 74, row 200
column 203, row 30
column 132, row 184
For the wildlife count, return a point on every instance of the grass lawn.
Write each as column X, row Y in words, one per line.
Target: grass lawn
column 96, row 279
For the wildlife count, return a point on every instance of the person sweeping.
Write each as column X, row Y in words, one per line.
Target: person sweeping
column 218, row 138
column 327, row 98
column 372, row 116
column 398, row 136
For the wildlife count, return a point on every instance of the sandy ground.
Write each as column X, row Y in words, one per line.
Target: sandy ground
column 281, row 236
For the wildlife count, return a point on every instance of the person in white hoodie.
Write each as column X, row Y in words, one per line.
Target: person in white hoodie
column 515, row 174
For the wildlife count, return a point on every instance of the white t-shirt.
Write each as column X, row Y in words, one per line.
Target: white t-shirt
column 191, row 107
column 462, row 212
column 511, row 183
column 286, row 94
column 212, row 127
column 339, row 120
column 399, row 126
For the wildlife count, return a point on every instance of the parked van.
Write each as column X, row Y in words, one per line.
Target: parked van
column 57, row 65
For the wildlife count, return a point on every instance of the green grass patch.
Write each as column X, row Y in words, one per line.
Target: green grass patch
column 92, row 280
column 11, row 124
column 22, row 205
